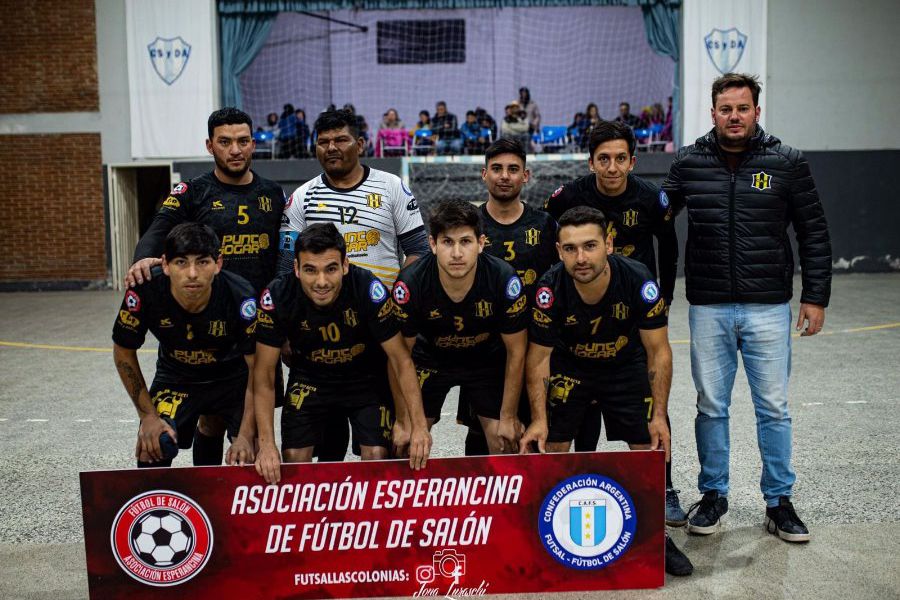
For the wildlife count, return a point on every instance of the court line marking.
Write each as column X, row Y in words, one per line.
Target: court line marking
column 83, row 420
column 57, row 347
column 149, row 350
column 36, row 420
column 857, row 401
column 813, row 403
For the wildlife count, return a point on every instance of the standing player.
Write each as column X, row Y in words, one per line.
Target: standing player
column 468, row 312
column 599, row 337
column 242, row 208
column 203, row 319
column 337, row 318
column 638, row 211
column 374, row 211
column 522, row 236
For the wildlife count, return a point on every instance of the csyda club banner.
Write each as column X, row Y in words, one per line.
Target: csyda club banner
column 460, row 527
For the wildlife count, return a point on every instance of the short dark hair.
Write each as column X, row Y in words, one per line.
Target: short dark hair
column 470, row 112
column 227, row 116
column 505, row 146
column 584, row 215
column 450, row 214
column 337, row 119
column 441, row 103
column 625, row 104
column 319, row 237
column 190, row 238
column 736, row 80
column 606, row 131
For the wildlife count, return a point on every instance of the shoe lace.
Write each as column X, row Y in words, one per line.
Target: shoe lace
column 706, row 505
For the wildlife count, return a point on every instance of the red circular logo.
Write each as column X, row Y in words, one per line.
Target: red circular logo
column 161, row 538
column 401, row 293
column 544, row 297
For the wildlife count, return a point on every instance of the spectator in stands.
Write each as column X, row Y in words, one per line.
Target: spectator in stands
column 626, row 117
column 473, row 138
column 514, row 126
column 391, row 139
column 302, row 133
column 287, row 132
column 577, row 129
column 420, row 141
column 446, row 130
column 486, row 121
column 592, row 113
column 532, row 112
column 271, row 125
column 666, row 134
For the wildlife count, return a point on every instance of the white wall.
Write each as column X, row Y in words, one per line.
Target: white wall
column 834, row 74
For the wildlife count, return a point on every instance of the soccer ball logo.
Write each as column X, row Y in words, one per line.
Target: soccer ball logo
column 162, row 538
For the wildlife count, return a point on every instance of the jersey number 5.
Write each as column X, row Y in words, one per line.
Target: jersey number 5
column 243, row 216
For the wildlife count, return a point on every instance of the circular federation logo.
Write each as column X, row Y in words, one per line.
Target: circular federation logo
column 161, row 538
column 376, row 291
column 248, row 309
column 663, row 199
column 587, row 522
column 650, row 291
column 513, row 287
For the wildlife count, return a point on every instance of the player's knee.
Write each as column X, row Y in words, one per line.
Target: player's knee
column 373, row 452
column 211, row 425
column 297, row 455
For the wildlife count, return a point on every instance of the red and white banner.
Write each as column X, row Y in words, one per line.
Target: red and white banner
column 460, row 527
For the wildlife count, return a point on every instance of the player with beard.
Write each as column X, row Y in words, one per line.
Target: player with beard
column 638, row 211
column 374, row 211
column 464, row 315
column 599, row 336
column 340, row 323
column 203, row 318
column 515, row 232
column 245, row 212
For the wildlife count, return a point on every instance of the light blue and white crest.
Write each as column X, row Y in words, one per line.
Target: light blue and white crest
column 725, row 48
column 169, row 56
column 587, row 521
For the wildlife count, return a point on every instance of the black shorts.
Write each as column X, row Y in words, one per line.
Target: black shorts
column 466, row 416
column 309, row 407
column 482, row 389
column 185, row 402
column 623, row 399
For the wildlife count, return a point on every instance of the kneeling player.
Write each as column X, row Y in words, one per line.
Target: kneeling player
column 469, row 313
column 599, row 337
column 203, row 318
column 340, row 323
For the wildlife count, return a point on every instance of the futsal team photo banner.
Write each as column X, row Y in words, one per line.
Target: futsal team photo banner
column 460, row 527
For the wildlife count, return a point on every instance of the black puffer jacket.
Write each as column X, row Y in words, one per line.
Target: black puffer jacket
column 738, row 249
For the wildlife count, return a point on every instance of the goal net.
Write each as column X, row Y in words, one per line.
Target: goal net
column 568, row 57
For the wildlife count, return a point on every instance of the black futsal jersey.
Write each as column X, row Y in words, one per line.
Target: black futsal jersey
column 193, row 347
column 593, row 340
column 339, row 344
column 245, row 217
column 529, row 244
column 636, row 216
column 463, row 334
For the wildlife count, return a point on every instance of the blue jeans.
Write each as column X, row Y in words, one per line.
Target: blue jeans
column 449, row 145
column 762, row 334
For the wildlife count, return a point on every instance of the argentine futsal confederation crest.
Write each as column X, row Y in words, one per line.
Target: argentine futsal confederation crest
column 587, row 521
column 725, row 48
column 169, row 57
column 161, row 538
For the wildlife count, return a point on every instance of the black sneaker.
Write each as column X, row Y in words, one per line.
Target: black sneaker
column 783, row 521
column 707, row 513
column 677, row 563
column 675, row 516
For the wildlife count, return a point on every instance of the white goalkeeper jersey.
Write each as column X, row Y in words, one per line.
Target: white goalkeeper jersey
column 371, row 216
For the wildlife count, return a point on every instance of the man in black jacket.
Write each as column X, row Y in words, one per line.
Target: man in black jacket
column 742, row 188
